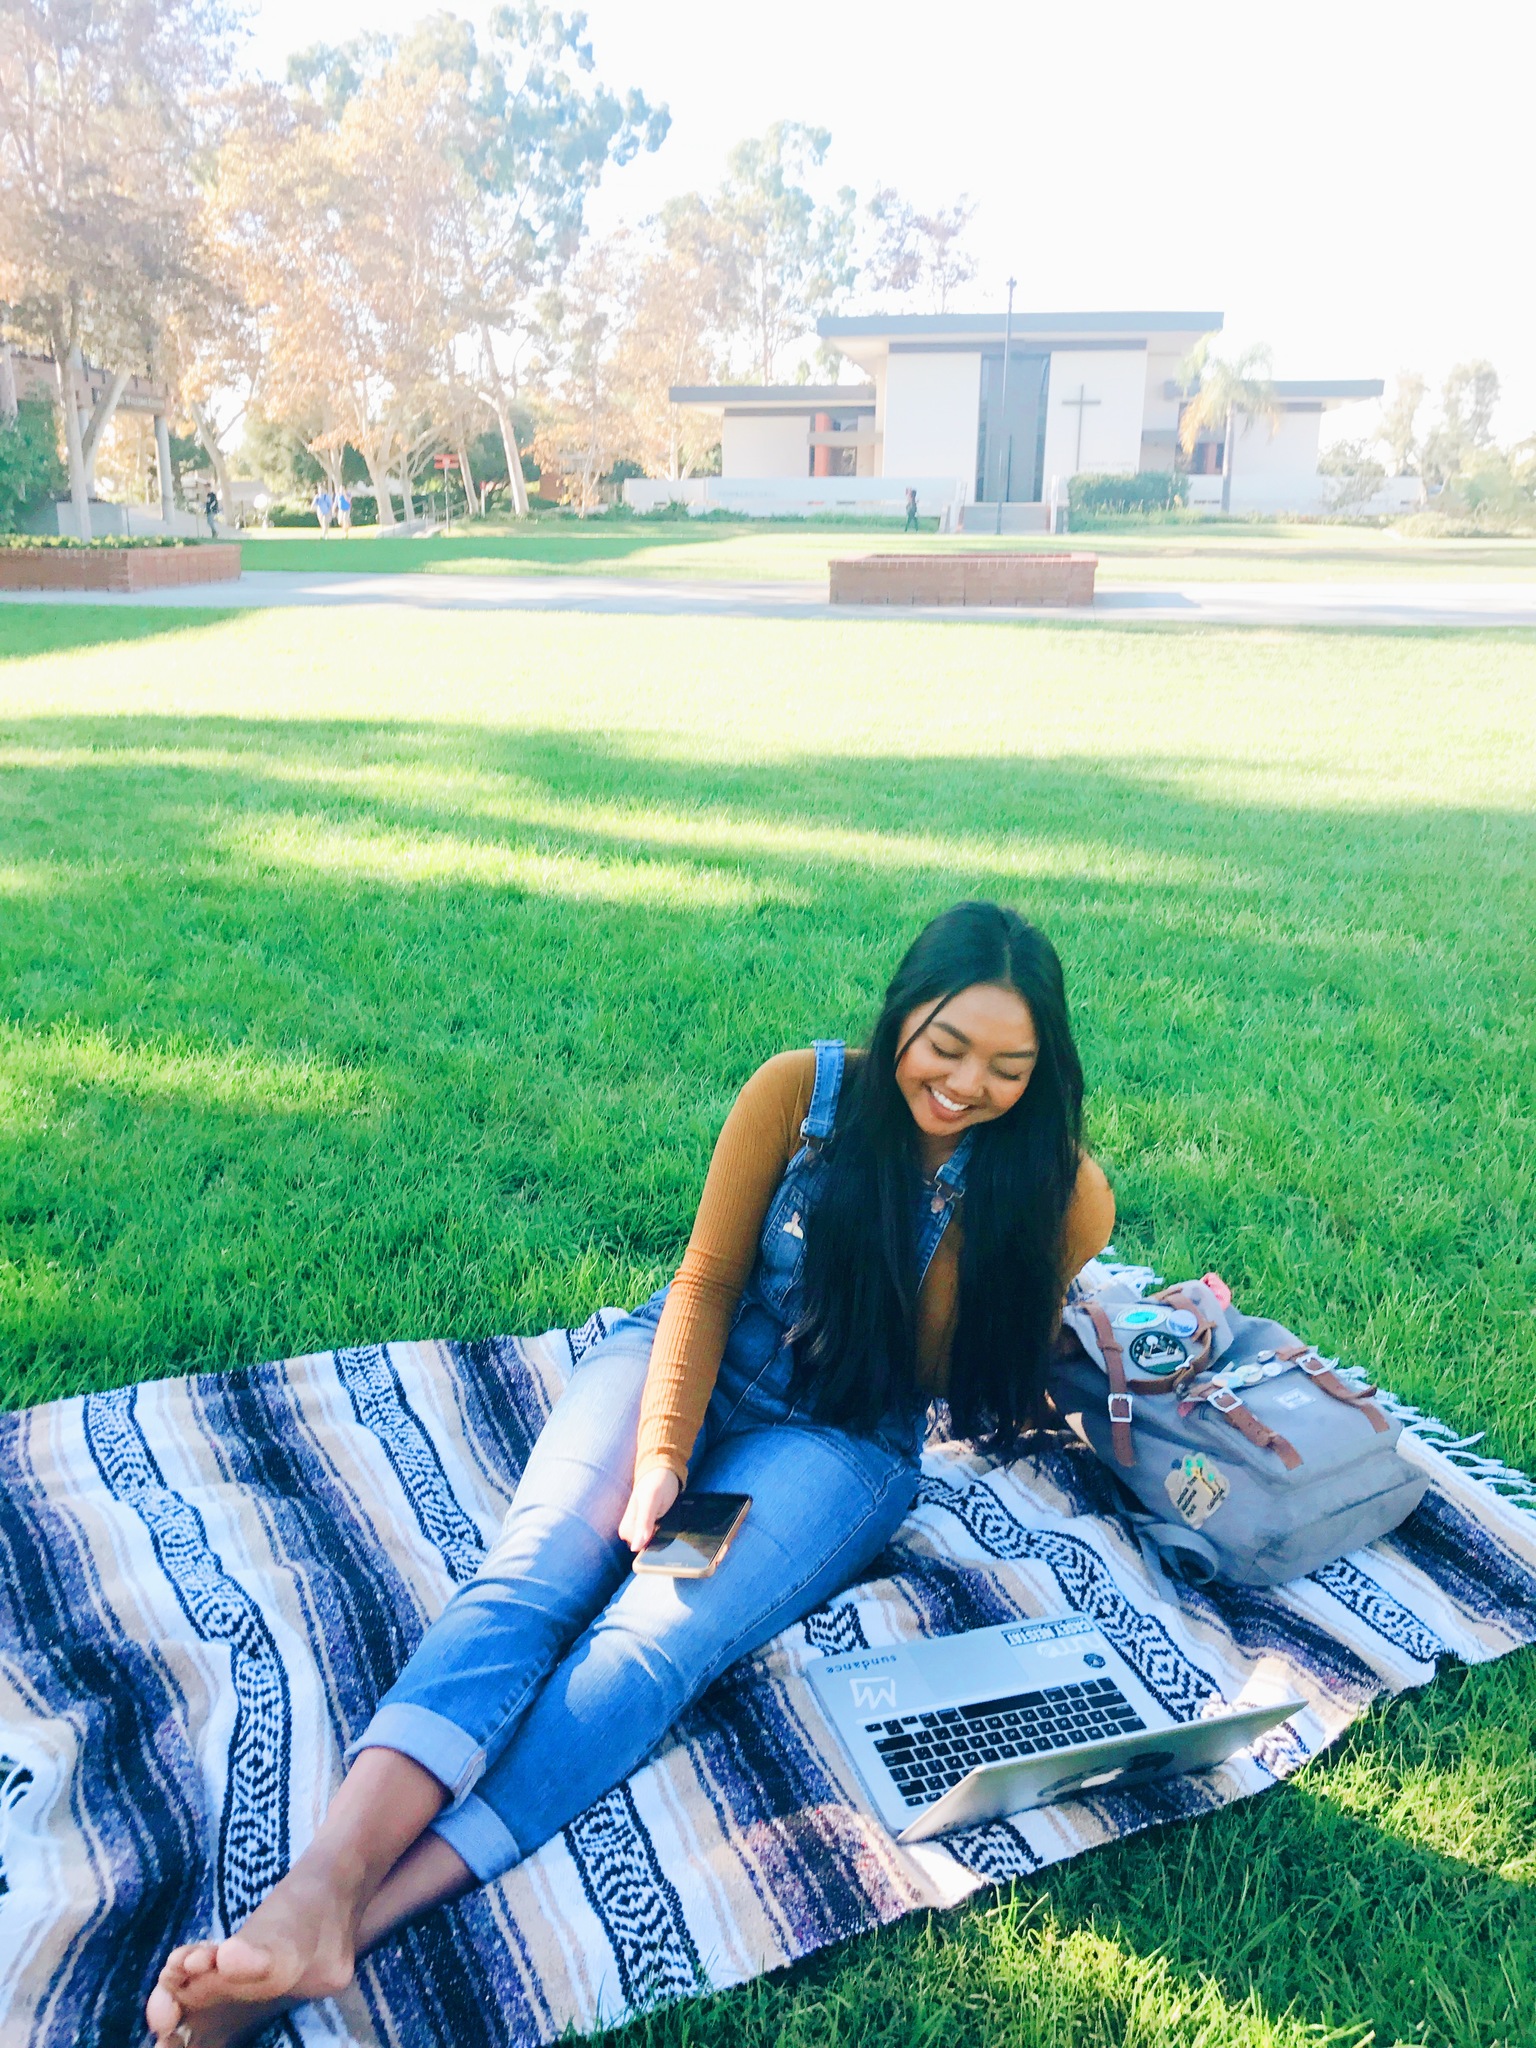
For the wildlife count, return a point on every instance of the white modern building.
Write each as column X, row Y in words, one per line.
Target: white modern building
column 933, row 409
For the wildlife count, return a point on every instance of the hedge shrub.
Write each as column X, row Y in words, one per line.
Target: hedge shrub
column 30, row 469
column 108, row 540
column 1149, row 490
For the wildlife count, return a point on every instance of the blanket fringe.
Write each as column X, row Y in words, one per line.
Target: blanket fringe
column 1507, row 1482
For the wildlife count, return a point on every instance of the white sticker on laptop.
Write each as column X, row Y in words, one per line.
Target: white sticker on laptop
column 1029, row 1634
column 871, row 1695
column 1197, row 1486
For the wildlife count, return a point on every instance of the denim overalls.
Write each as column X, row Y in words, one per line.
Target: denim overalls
column 757, row 1370
column 554, row 1672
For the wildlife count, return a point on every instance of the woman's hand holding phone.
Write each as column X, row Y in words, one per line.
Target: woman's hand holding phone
column 654, row 1492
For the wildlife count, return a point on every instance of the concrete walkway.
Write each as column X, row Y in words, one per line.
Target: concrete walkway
column 1426, row 603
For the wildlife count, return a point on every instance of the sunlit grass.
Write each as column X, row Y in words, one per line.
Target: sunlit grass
column 411, row 860
column 393, row 982
column 1011, row 1973
column 35, row 1064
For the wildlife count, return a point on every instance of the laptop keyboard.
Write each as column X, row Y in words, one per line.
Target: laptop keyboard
column 927, row 1754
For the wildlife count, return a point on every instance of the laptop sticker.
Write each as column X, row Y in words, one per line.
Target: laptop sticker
column 1041, row 1631
column 870, row 1693
column 1145, row 1765
column 1197, row 1486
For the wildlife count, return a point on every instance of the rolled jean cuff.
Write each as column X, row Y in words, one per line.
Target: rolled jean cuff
column 439, row 1745
column 472, row 1830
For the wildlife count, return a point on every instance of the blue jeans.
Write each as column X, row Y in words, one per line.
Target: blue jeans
column 555, row 1671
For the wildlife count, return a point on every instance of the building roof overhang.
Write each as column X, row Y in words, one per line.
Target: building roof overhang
column 993, row 326
column 1305, row 393
column 1331, row 390
column 774, row 397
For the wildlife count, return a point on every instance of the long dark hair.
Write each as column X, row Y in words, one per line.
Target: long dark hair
column 856, row 1338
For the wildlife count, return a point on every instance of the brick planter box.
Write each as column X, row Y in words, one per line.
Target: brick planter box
column 972, row 578
column 118, row 568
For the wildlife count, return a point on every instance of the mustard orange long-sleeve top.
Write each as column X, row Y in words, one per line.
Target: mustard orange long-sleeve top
column 756, row 1143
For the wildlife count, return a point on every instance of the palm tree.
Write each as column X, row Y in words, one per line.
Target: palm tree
column 1218, row 393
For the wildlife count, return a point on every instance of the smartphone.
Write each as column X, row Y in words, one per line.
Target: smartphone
column 694, row 1534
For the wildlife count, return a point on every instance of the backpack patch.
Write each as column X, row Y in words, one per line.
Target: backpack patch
column 1197, row 1486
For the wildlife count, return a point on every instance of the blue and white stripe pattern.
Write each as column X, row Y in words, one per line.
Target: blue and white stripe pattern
column 205, row 1584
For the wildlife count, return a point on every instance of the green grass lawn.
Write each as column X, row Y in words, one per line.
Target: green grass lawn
column 392, row 978
column 756, row 552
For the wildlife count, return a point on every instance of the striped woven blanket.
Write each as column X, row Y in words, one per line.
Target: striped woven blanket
column 208, row 1583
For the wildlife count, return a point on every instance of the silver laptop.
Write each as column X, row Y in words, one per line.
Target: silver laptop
column 950, row 1730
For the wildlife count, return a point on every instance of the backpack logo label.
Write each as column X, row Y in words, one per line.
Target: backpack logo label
column 1197, row 1486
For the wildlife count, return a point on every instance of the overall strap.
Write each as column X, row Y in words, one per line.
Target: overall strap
column 936, row 1203
column 951, row 1175
column 822, row 1114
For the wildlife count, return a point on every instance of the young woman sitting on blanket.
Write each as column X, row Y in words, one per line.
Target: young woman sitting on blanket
column 828, row 1291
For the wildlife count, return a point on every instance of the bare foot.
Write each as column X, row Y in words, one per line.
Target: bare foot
column 299, row 1943
column 227, row 2025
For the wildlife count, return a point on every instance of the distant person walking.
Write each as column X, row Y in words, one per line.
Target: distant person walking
column 320, row 505
column 911, row 525
column 211, row 512
column 344, row 510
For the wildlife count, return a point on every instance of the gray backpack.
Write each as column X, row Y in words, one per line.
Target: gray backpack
column 1252, row 1458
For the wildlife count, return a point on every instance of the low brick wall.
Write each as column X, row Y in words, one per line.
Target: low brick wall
column 118, row 568
column 974, row 578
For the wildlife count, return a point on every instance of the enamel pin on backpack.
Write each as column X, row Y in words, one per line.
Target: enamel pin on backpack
column 1252, row 1458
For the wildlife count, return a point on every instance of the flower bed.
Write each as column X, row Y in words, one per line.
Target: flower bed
column 974, row 578
column 156, row 565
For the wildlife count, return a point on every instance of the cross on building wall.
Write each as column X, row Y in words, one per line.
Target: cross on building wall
column 1082, row 402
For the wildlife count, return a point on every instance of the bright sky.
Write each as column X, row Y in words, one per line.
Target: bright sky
column 1348, row 180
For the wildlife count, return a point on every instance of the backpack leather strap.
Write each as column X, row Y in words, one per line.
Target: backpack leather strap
column 1119, row 1393
column 1204, row 1332
column 1324, row 1376
column 1228, row 1406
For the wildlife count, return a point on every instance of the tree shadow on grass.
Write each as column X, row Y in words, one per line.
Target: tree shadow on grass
column 433, row 1006
column 29, row 630
column 323, row 1033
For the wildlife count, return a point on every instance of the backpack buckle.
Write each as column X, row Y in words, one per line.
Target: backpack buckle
column 1223, row 1400
column 1119, row 1407
column 1313, row 1366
